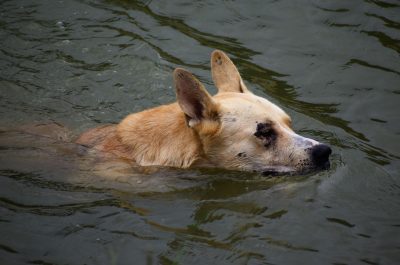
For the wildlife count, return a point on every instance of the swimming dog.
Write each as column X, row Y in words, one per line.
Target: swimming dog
column 235, row 129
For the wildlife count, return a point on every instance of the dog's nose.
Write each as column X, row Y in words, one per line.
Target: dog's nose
column 320, row 155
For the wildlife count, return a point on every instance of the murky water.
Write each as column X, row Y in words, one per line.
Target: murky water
column 334, row 66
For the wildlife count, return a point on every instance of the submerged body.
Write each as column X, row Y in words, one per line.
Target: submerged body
column 234, row 129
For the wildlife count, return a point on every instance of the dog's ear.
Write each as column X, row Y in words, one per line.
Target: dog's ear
column 225, row 74
column 193, row 98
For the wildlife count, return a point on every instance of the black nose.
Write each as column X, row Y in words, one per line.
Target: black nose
column 320, row 155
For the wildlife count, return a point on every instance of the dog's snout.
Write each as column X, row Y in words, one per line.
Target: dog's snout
column 320, row 155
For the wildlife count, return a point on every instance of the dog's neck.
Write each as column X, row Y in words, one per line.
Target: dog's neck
column 160, row 136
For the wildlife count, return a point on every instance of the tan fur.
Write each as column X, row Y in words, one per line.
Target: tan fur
column 201, row 130
column 225, row 75
column 157, row 136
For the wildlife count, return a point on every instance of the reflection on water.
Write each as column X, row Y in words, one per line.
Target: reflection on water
column 333, row 66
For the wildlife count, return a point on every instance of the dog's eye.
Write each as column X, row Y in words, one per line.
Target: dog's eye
column 266, row 133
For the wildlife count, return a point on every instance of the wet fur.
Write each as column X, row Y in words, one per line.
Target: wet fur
column 234, row 129
column 158, row 136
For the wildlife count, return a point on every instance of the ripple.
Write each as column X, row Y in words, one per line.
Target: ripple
column 134, row 234
column 382, row 4
column 209, row 211
column 190, row 230
column 387, row 22
column 385, row 40
column 210, row 40
column 287, row 245
column 336, row 10
column 340, row 221
column 342, row 25
column 8, row 249
column 366, row 64
column 50, row 68
column 277, row 214
column 82, row 64
column 68, row 209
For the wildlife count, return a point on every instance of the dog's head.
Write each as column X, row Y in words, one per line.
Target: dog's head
column 239, row 130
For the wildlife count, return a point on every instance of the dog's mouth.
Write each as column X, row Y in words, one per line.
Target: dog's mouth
column 283, row 170
column 277, row 171
column 272, row 173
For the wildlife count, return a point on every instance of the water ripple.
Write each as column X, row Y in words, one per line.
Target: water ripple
column 80, row 60
column 68, row 209
column 366, row 64
column 385, row 40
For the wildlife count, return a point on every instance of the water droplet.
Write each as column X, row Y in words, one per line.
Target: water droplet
column 61, row 25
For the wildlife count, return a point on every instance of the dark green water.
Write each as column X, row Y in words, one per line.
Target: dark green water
column 334, row 66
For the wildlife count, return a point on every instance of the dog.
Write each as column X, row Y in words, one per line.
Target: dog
column 235, row 130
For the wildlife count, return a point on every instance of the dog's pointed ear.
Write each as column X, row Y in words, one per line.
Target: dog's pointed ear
column 193, row 98
column 225, row 74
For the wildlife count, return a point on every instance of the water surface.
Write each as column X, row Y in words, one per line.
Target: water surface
column 334, row 66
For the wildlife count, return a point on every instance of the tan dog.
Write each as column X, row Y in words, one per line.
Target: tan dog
column 234, row 129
